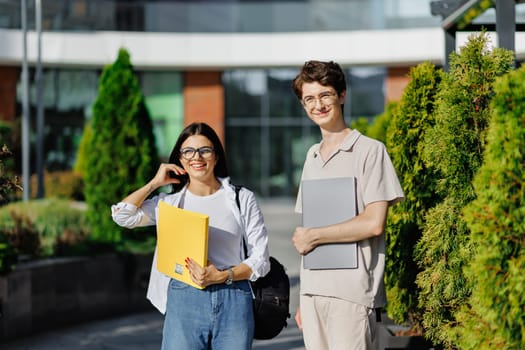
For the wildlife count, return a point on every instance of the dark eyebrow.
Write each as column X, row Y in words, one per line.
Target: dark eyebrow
column 322, row 92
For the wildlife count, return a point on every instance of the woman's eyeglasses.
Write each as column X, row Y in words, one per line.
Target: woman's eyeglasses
column 205, row 152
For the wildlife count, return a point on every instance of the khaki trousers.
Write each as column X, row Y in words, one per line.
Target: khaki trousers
column 336, row 324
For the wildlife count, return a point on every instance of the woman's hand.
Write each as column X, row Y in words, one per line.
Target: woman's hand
column 163, row 176
column 203, row 276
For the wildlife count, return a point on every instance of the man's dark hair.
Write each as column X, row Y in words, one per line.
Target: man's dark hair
column 325, row 73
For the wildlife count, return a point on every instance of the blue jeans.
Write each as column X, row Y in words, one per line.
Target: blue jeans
column 219, row 317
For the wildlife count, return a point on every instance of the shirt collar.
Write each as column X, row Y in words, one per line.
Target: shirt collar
column 347, row 144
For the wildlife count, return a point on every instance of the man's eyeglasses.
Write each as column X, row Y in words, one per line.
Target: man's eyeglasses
column 189, row 152
column 325, row 98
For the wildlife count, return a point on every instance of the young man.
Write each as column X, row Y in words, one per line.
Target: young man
column 338, row 306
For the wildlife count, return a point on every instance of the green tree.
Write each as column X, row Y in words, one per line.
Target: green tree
column 360, row 124
column 122, row 155
column 494, row 317
column 80, row 166
column 454, row 148
column 410, row 121
column 378, row 129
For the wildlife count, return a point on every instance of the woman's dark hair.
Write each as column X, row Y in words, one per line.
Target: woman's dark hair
column 325, row 73
column 220, row 169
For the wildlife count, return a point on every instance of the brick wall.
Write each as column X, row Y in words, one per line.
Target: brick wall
column 397, row 80
column 8, row 80
column 204, row 99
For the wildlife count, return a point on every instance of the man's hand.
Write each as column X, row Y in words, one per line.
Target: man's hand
column 370, row 223
column 303, row 240
column 298, row 318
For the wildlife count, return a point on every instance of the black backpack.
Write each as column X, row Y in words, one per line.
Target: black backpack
column 272, row 296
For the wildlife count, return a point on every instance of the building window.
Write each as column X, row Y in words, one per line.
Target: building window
column 163, row 97
column 268, row 132
column 366, row 92
column 67, row 99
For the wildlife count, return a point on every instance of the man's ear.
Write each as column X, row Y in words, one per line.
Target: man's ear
column 342, row 97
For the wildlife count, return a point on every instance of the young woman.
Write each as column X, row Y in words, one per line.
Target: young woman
column 219, row 316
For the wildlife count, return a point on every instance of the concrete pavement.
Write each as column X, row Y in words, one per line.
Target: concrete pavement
column 132, row 332
column 144, row 330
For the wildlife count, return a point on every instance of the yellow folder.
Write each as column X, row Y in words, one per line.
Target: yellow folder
column 180, row 234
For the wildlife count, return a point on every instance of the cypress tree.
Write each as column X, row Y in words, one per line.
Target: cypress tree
column 121, row 156
column 80, row 166
column 414, row 115
column 494, row 317
column 378, row 129
column 360, row 124
column 454, row 148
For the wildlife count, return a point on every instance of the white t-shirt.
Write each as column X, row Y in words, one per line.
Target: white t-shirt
column 250, row 217
column 225, row 234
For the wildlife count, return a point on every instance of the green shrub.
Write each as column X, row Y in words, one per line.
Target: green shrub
column 8, row 256
column 122, row 155
column 360, row 124
column 23, row 236
column 454, row 148
column 60, row 184
column 378, row 129
column 494, row 317
column 379, row 126
column 410, row 121
column 51, row 220
column 8, row 185
column 80, row 166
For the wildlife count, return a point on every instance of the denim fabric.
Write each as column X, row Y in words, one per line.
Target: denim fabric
column 219, row 317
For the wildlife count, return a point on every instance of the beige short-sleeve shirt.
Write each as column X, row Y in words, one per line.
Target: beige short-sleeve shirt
column 367, row 160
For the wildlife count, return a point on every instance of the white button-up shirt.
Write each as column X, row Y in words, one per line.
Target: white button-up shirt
column 248, row 217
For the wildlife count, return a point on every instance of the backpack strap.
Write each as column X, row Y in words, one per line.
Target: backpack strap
column 237, row 189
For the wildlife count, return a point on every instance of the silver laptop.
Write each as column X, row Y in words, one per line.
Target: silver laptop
column 326, row 202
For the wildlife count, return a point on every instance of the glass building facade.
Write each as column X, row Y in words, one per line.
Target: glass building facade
column 266, row 131
column 223, row 16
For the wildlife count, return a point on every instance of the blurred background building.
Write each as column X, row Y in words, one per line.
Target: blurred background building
column 227, row 62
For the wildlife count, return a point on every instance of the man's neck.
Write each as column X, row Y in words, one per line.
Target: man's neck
column 332, row 139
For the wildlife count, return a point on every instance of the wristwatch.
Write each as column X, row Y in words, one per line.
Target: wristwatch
column 229, row 280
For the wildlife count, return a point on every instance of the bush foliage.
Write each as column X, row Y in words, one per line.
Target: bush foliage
column 494, row 317
column 80, row 166
column 378, row 129
column 60, row 184
column 121, row 156
column 411, row 119
column 50, row 222
column 8, row 185
column 454, row 148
